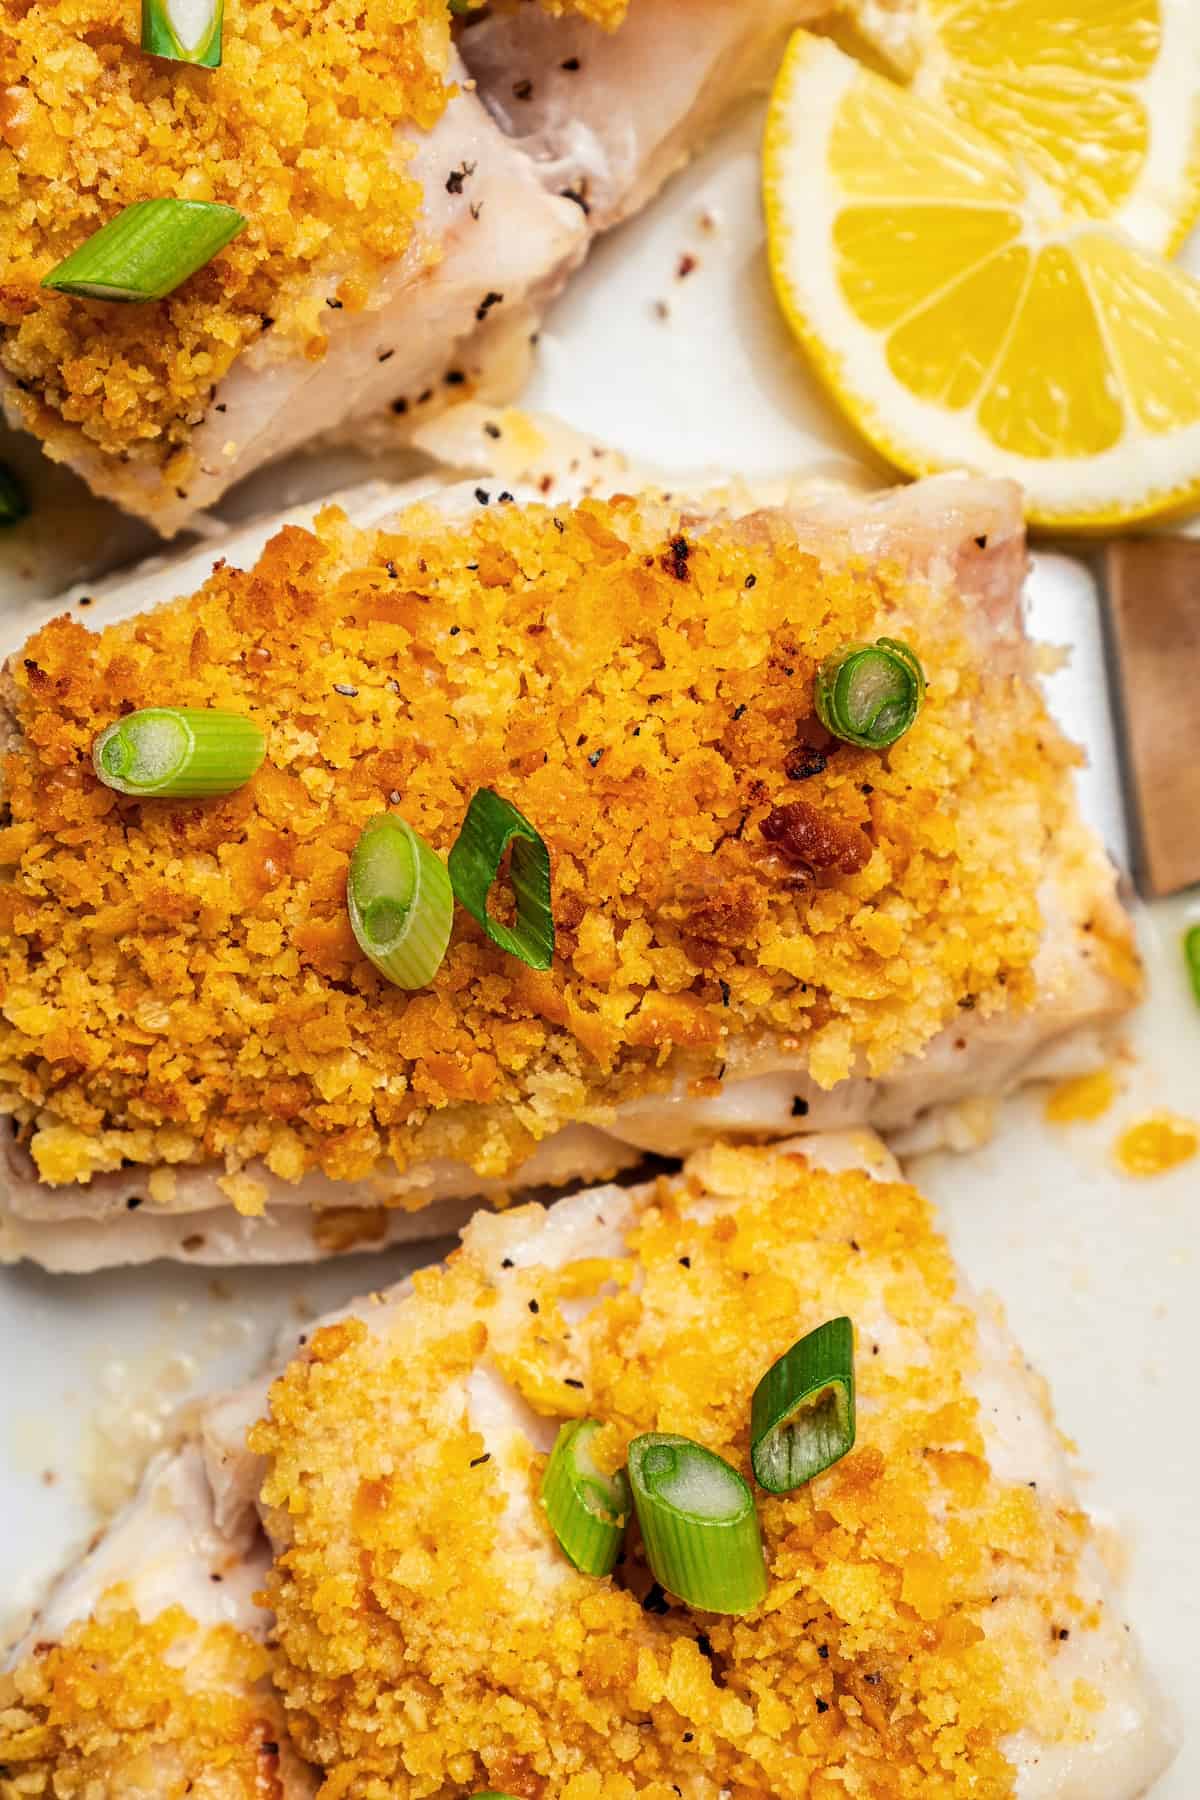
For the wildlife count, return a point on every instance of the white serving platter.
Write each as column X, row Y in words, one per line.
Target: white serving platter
column 1098, row 1271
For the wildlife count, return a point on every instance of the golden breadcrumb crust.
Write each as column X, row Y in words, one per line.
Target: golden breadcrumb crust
column 297, row 129
column 127, row 1710
column 434, row 1641
column 180, row 982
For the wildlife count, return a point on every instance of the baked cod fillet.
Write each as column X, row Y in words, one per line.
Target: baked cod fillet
column 402, row 238
column 758, row 926
column 938, row 1622
column 146, row 1676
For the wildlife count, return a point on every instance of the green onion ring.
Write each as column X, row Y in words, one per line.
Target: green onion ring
column 699, row 1524
column 1191, row 951
column 870, row 694
column 400, row 902
column 14, row 502
column 587, row 1509
column 491, row 825
column 147, row 250
column 178, row 753
column 187, row 31
column 802, row 1413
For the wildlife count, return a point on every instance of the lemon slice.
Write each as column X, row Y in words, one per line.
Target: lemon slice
column 1098, row 99
column 960, row 318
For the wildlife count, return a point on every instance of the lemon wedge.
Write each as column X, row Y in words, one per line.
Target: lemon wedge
column 960, row 316
column 1098, row 99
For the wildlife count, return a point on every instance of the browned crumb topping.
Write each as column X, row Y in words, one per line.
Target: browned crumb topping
column 434, row 1641
column 123, row 1710
column 297, row 129
column 180, row 982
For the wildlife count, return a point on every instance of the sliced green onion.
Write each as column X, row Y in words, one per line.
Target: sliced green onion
column 491, row 825
column 400, row 901
column 183, row 30
column 802, row 1414
column 869, row 694
column 1191, row 951
column 178, row 753
column 698, row 1523
column 147, row 250
column 14, row 503
column 587, row 1509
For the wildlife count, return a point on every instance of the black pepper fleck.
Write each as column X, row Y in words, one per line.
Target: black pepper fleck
column 675, row 561
column 803, row 762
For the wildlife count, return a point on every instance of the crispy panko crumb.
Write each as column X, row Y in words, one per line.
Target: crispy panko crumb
column 127, row 1710
column 297, row 129
column 179, row 983
column 433, row 1640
